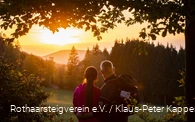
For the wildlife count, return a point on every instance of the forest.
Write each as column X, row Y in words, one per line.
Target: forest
column 156, row 68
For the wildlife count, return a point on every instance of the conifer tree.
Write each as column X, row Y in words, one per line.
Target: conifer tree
column 73, row 61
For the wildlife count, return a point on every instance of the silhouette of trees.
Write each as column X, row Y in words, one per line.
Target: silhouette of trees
column 71, row 73
column 156, row 72
column 162, row 16
column 43, row 68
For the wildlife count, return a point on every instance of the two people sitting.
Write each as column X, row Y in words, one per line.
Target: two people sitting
column 88, row 95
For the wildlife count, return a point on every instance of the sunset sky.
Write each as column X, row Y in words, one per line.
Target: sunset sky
column 40, row 41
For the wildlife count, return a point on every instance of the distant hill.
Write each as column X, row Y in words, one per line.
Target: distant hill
column 62, row 56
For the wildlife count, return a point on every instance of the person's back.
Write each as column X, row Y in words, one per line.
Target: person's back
column 107, row 100
column 79, row 99
column 116, row 93
column 112, row 94
column 87, row 94
column 108, row 90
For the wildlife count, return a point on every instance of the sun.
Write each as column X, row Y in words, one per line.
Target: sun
column 62, row 37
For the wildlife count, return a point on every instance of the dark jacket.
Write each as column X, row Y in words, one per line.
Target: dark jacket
column 107, row 104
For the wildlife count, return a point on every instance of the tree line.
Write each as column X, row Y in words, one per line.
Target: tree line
column 156, row 68
column 163, row 17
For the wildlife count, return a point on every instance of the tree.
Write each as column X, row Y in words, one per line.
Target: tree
column 17, row 88
column 73, row 61
column 49, row 69
column 30, row 65
column 59, row 75
column 156, row 72
column 162, row 16
column 106, row 53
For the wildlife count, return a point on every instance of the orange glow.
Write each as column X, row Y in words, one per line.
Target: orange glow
column 62, row 37
column 41, row 41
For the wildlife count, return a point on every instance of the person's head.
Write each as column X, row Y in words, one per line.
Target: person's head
column 107, row 68
column 90, row 74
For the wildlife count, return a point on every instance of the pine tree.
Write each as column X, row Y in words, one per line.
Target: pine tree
column 71, row 65
column 106, row 53
column 96, row 50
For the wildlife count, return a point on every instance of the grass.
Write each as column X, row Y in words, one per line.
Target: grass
column 63, row 98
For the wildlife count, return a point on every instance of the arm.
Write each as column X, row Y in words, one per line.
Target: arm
column 81, row 116
column 101, row 109
column 75, row 100
column 96, row 101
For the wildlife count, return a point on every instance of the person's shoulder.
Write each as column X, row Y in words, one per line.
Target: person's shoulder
column 112, row 81
column 109, row 84
column 96, row 89
column 79, row 87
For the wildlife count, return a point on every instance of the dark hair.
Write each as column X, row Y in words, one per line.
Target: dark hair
column 90, row 75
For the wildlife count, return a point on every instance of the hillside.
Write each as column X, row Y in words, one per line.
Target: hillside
column 62, row 56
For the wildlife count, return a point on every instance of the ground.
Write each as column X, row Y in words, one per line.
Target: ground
column 63, row 98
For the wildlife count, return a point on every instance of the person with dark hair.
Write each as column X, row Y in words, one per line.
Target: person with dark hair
column 115, row 91
column 86, row 95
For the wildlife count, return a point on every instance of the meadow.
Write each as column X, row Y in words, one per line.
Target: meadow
column 63, row 98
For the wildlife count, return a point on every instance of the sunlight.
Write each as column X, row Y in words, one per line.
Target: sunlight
column 63, row 37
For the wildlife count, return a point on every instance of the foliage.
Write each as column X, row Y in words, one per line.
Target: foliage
column 170, row 116
column 17, row 88
column 43, row 68
column 49, row 69
column 94, row 57
column 9, row 49
column 75, row 68
column 71, row 73
column 162, row 16
column 72, row 60
column 156, row 72
column 147, row 118
column 33, row 65
column 60, row 75
column 180, row 102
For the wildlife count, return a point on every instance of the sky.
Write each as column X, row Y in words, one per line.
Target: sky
column 40, row 41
